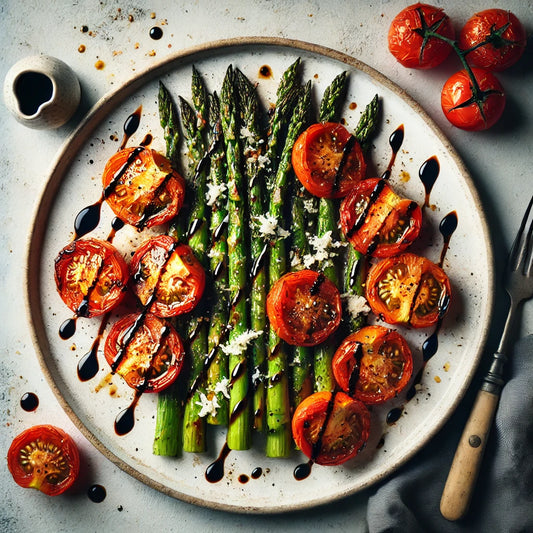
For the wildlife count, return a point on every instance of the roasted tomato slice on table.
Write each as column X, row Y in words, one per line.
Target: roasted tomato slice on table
column 328, row 160
column 91, row 276
column 45, row 458
column 470, row 109
column 330, row 428
column 167, row 276
column 304, row 308
column 408, row 41
column 141, row 187
column 373, row 364
column 145, row 350
column 495, row 37
column 408, row 289
column 377, row 221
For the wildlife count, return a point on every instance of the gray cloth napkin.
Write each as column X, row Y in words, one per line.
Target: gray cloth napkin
column 503, row 499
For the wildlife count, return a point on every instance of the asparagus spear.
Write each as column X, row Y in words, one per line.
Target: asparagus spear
column 302, row 223
column 286, row 96
column 278, row 408
column 217, row 375
column 239, row 431
column 253, row 146
column 356, row 264
column 330, row 110
column 198, row 238
column 168, row 118
column 167, row 437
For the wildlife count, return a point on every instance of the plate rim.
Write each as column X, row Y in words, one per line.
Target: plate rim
column 59, row 168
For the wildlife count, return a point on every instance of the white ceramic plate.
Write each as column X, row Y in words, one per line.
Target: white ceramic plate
column 75, row 183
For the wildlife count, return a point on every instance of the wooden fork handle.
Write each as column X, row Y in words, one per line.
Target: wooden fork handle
column 468, row 456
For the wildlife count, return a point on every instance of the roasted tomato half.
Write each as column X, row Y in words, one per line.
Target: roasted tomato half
column 91, row 276
column 146, row 351
column 373, row 364
column 471, row 109
column 141, row 187
column 167, row 276
column 328, row 160
column 304, row 308
column 44, row 458
column 377, row 221
column 330, row 428
column 409, row 41
column 495, row 37
column 408, row 289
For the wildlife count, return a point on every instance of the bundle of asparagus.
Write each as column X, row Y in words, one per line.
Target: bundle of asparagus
column 239, row 179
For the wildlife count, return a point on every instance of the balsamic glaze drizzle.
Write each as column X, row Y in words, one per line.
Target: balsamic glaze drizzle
column 428, row 173
column 395, row 142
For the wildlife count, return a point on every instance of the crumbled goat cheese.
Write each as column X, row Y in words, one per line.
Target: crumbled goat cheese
column 223, row 387
column 323, row 249
column 208, row 406
column 214, row 191
column 239, row 343
column 356, row 304
column 269, row 228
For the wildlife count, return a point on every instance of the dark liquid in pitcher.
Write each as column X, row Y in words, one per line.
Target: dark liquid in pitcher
column 32, row 90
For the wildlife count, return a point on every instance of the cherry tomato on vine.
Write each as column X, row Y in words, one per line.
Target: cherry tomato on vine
column 141, row 187
column 91, row 276
column 304, row 308
column 167, row 276
column 330, row 428
column 471, row 109
column 328, row 160
column 152, row 358
column 373, row 364
column 377, row 221
column 408, row 289
column 495, row 37
column 45, row 458
column 411, row 36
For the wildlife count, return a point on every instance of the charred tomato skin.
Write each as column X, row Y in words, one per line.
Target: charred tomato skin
column 377, row 221
column 142, row 188
column 93, row 273
column 45, row 458
column 373, row 365
column 458, row 105
column 171, row 269
column 408, row 289
column 304, row 308
column 406, row 43
column 319, row 152
column 503, row 33
column 154, row 357
column 330, row 428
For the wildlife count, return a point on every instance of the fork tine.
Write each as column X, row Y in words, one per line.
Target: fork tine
column 522, row 244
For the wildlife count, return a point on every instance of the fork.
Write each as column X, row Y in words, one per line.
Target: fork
column 466, row 463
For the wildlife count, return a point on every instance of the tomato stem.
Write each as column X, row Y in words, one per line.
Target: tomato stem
column 478, row 96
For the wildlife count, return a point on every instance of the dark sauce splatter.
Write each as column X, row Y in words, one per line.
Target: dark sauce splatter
column 395, row 142
column 257, row 472
column 394, row 415
column 265, row 72
column 215, row 471
column 88, row 365
column 29, row 401
column 96, row 493
column 428, row 174
column 447, row 227
column 156, row 33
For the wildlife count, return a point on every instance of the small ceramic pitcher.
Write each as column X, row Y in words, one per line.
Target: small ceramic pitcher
column 41, row 92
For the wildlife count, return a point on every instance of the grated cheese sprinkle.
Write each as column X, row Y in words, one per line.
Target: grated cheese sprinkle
column 239, row 343
column 214, row 191
column 356, row 304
